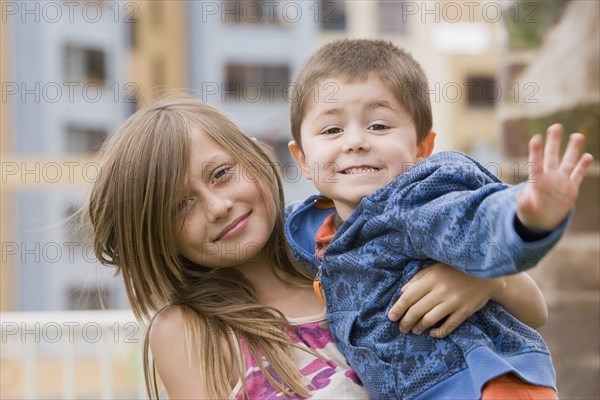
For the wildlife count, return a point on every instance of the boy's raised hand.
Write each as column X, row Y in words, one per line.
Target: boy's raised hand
column 553, row 184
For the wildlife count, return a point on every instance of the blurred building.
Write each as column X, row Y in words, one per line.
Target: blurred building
column 6, row 135
column 6, row 267
column 64, row 91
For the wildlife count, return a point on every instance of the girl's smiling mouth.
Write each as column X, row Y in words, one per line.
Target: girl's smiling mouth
column 234, row 228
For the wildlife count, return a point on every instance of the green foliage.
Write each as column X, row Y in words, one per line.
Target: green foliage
column 583, row 119
column 527, row 21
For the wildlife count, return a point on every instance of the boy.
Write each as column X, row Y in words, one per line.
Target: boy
column 361, row 119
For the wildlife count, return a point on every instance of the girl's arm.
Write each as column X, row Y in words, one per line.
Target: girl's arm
column 442, row 292
column 524, row 300
column 175, row 358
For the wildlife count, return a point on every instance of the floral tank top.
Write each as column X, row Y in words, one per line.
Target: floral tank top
column 328, row 377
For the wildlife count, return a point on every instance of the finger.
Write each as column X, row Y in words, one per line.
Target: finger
column 450, row 325
column 416, row 312
column 415, row 278
column 581, row 169
column 552, row 146
column 535, row 156
column 412, row 291
column 400, row 307
column 569, row 160
column 435, row 315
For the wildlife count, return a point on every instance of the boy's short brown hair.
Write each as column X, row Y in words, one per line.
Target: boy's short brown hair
column 353, row 60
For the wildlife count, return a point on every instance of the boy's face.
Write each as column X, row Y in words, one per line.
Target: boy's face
column 356, row 138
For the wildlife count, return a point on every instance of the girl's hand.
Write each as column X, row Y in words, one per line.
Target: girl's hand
column 440, row 292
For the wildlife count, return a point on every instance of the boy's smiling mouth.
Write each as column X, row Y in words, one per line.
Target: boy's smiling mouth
column 359, row 170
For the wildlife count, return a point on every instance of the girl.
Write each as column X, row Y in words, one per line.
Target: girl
column 190, row 211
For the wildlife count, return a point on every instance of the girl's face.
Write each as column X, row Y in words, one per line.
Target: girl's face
column 225, row 221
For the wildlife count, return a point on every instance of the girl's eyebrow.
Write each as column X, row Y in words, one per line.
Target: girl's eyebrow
column 207, row 165
column 212, row 161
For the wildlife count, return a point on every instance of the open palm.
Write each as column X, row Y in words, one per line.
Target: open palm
column 553, row 184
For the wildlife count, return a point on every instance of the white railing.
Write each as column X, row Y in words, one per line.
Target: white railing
column 71, row 354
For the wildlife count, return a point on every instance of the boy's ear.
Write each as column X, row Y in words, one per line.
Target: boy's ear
column 425, row 148
column 300, row 159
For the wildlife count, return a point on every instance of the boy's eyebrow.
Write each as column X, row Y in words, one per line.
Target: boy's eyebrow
column 379, row 104
column 331, row 111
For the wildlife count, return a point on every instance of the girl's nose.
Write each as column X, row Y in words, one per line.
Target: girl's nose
column 217, row 207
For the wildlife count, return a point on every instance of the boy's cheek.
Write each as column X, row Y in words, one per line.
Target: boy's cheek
column 307, row 172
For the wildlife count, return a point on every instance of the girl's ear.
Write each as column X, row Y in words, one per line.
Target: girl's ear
column 425, row 148
column 300, row 159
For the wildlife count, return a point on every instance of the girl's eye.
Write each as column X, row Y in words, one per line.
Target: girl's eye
column 220, row 174
column 331, row 131
column 182, row 205
column 378, row 127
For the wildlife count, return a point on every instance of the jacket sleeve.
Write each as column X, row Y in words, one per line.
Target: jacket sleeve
column 456, row 212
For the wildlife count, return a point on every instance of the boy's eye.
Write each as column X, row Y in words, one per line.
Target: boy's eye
column 331, row 131
column 378, row 127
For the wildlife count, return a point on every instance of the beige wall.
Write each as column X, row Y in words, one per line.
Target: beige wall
column 161, row 46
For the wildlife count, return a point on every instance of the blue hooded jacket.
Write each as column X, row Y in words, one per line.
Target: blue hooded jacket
column 447, row 208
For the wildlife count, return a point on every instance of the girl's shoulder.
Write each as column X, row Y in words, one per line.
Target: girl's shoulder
column 172, row 326
column 175, row 359
column 177, row 353
column 168, row 322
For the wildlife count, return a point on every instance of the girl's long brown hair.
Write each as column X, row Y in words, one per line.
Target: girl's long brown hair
column 131, row 208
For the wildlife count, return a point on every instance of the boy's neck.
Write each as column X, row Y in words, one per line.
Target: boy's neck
column 344, row 210
column 337, row 221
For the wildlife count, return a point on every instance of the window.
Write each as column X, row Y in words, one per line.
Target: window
column 333, row 15
column 482, row 91
column 85, row 65
column 250, row 11
column 254, row 83
column 391, row 16
column 84, row 140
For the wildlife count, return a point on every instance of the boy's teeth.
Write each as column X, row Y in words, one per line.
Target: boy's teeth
column 358, row 170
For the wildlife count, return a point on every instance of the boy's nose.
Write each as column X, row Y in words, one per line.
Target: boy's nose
column 217, row 207
column 355, row 140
